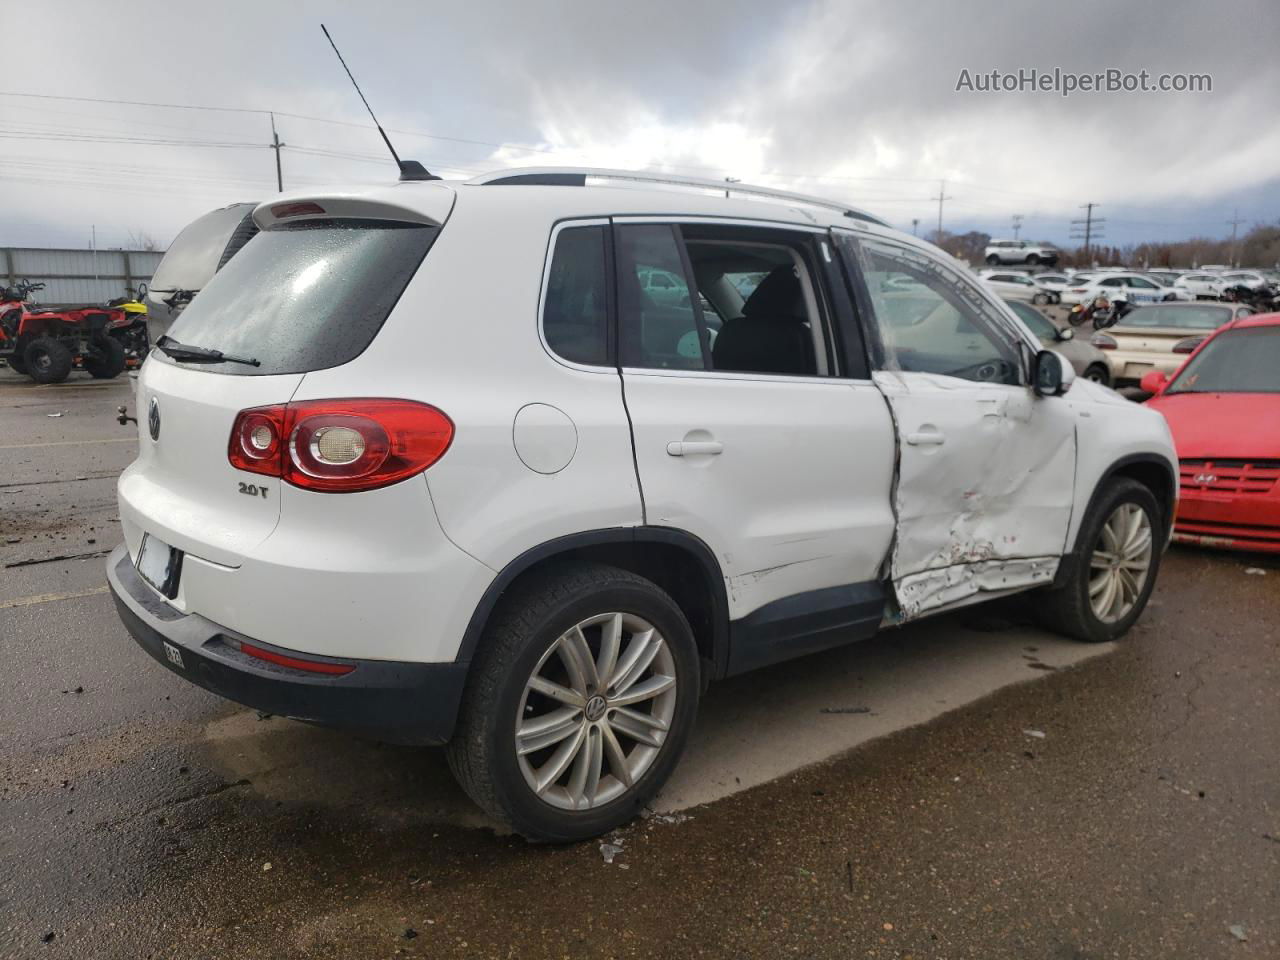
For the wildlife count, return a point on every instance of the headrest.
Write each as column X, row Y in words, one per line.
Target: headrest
column 778, row 297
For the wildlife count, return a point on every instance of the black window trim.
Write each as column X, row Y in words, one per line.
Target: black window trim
column 821, row 277
column 611, row 322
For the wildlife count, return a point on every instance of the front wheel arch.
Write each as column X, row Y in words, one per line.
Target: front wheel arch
column 1149, row 469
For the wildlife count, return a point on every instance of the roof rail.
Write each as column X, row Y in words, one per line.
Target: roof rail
column 578, row 176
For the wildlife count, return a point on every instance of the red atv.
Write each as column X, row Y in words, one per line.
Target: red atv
column 45, row 345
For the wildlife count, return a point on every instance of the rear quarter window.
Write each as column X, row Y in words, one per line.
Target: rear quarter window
column 304, row 296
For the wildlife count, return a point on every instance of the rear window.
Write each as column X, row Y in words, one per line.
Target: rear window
column 303, row 296
column 1189, row 317
column 1239, row 361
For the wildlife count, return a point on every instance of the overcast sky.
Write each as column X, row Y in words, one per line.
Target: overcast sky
column 847, row 99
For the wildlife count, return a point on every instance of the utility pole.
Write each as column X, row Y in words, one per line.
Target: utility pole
column 730, row 180
column 1090, row 225
column 941, row 197
column 1017, row 224
column 93, row 245
column 915, row 222
column 1235, row 222
column 276, row 145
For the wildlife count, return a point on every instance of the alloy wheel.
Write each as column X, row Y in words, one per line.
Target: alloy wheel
column 1121, row 563
column 596, row 711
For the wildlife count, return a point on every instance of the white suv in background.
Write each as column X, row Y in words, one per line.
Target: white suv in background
column 1202, row 286
column 1020, row 251
column 1132, row 287
column 431, row 461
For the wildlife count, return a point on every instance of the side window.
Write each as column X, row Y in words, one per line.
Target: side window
column 1140, row 284
column 575, row 319
column 660, row 327
column 755, row 305
column 940, row 323
column 1111, row 282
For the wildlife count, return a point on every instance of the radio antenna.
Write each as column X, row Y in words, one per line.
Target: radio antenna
column 409, row 169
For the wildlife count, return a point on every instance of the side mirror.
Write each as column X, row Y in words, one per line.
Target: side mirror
column 1051, row 374
column 1154, row 382
column 1067, row 334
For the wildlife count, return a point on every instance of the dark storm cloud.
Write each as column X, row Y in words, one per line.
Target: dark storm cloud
column 842, row 98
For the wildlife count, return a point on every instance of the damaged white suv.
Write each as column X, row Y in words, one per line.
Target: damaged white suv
column 431, row 461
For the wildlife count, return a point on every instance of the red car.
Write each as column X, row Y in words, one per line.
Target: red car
column 1223, row 406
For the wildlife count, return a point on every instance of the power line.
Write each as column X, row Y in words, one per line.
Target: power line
column 131, row 103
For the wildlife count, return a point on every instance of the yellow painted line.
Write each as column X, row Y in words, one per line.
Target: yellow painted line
column 65, row 443
column 51, row 597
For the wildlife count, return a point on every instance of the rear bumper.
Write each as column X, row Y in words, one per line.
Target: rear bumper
column 397, row 702
column 1133, row 365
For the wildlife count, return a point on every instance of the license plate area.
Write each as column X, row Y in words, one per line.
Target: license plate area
column 160, row 565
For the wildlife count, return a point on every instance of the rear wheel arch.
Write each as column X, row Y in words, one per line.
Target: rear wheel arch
column 677, row 561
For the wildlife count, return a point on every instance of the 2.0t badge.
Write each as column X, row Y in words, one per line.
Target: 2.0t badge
column 153, row 419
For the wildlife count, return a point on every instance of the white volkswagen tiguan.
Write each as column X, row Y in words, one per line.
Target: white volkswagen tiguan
column 429, row 462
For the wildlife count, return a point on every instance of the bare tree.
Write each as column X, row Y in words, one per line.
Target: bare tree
column 141, row 240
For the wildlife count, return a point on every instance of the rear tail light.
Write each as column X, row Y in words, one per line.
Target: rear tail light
column 1188, row 345
column 340, row 446
column 1103, row 342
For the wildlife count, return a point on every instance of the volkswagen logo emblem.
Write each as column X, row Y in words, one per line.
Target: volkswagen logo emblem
column 153, row 419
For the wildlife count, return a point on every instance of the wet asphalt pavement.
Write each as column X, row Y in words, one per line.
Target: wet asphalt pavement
column 988, row 790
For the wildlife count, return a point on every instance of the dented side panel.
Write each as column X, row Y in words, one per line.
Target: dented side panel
column 984, row 490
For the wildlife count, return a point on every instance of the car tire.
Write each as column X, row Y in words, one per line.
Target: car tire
column 47, row 360
column 1032, row 259
column 557, row 786
column 1078, row 606
column 15, row 362
column 1041, row 299
column 993, row 260
column 108, row 360
column 1098, row 373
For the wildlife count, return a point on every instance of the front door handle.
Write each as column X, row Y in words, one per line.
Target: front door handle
column 691, row 448
column 927, row 437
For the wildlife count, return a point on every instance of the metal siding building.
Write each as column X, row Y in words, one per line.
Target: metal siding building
column 78, row 276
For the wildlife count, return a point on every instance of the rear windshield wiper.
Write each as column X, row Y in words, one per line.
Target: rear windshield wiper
column 182, row 351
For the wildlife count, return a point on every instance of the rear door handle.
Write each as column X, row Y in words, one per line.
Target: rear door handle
column 691, row 448
column 924, row 438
